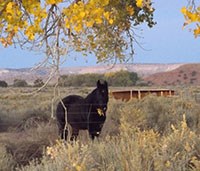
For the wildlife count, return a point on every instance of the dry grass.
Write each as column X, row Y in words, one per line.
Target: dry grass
column 151, row 134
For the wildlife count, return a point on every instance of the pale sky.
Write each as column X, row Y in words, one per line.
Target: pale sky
column 166, row 42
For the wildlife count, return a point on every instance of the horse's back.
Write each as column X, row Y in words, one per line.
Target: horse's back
column 72, row 99
column 74, row 107
column 66, row 103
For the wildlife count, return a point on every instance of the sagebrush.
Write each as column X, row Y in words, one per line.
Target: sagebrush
column 152, row 134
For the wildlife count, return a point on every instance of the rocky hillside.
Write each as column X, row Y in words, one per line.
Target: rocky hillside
column 188, row 74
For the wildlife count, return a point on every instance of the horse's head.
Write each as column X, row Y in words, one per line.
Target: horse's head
column 102, row 97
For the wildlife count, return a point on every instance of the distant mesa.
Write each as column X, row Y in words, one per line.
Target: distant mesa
column 3, row 71
column 154, row 74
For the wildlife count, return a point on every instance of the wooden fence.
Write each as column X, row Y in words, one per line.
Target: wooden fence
column 126, row 95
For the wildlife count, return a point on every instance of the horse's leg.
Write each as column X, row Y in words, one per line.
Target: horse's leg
column 74, row 135
column 94, row 130
column 94, row 134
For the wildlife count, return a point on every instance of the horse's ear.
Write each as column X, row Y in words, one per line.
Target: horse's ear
column 98, row 84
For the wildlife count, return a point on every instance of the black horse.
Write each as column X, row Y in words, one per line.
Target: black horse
column 83, row 113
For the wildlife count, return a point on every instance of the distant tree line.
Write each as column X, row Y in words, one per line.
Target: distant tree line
column 22, row 83
column 120, row 78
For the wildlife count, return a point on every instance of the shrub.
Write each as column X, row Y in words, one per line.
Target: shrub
column 185, row 77
column 112, row 124
column 7, row 161
column 133, row 149
column 38, row 83
column 154, row 133
column 142, row 83
column 20, row 83
column 194, row 73
column 3, row 84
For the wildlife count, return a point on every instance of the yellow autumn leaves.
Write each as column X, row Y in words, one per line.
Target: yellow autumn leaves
column 52, row 2
column 38, row 14
column 83, row 15
column 192, row 16
column 139, row 3
column 24, row 17
column 28, row 16
column 100, row 112
column 10, row 21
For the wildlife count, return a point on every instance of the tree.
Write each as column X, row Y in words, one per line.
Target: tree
column 38, row 83
column 192, row 15
column 20, row 83
column 78, row 80
column 57, row 27
column 3, row 84
column 122, row 78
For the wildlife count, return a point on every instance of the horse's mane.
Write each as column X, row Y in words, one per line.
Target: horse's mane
column 90, row 97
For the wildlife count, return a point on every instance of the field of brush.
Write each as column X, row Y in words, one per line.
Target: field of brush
column 151, row 134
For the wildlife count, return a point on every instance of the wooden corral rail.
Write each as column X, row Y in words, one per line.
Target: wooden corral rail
column 126, row 95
